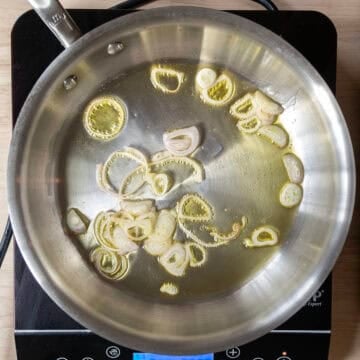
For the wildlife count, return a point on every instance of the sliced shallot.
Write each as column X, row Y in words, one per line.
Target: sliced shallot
column 169, row 288
column 76, row 221
column 294, row 168
column 266, row 104
column 157, row 246
column 109, row 264
column 198, row 172
column 161, row 238
column 88, row 240
column 236, row 229
column 265, row 118
column 205, row 78
column 290, row 195
column 263, row 236
column 137, row 207
column 256, row 106
column 192, row 207
column 160, row 75
column 182, row 142
column 130, row 154
column 137, row 228
column 175, row 260
column 110, row 235
column 101, row 181
column 220, row 93
column 275, row 134
column 122, row 243
column 243, row 108
column 104, row 118
column 250, row 125
column 160, row 155
column 197, row 254
column 160, row 183
column 132, row 183
column 192, row 236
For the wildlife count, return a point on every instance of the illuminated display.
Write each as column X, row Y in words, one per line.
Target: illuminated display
column 147, row 356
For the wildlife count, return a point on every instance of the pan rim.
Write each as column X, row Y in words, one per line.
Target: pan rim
column 187, row 345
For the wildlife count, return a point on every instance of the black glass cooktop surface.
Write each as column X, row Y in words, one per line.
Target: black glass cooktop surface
column 42, row 330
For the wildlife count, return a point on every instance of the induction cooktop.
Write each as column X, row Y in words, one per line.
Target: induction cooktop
column 42, row 330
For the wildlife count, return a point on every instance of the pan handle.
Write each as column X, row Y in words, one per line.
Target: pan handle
column 58, row 20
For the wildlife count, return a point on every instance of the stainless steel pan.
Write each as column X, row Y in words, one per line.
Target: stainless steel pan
column 44, row 143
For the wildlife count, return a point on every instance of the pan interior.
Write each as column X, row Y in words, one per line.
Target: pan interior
column 243, row 176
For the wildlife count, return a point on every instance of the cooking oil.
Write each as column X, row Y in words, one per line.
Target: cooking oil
column 243, row 174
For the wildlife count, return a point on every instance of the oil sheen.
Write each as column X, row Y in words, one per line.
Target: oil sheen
column 243, row 176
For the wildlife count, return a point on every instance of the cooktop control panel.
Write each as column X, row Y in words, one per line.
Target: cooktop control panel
column 43, row 331
column 91, row 347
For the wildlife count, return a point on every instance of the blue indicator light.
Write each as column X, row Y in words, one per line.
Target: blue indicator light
column 148, row 356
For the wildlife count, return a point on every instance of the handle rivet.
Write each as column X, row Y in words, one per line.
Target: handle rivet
column 70, row 82
column 114, row 48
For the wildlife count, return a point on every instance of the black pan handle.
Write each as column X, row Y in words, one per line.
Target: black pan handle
column 133, row 4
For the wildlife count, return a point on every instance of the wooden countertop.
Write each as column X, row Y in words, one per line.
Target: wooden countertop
column 345, row 344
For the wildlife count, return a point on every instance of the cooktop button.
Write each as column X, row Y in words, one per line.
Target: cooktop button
column 283, row 358
column 113, row 352
column 233, row 353
column 258, row 358
column 87, row 358
column 62, row 358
